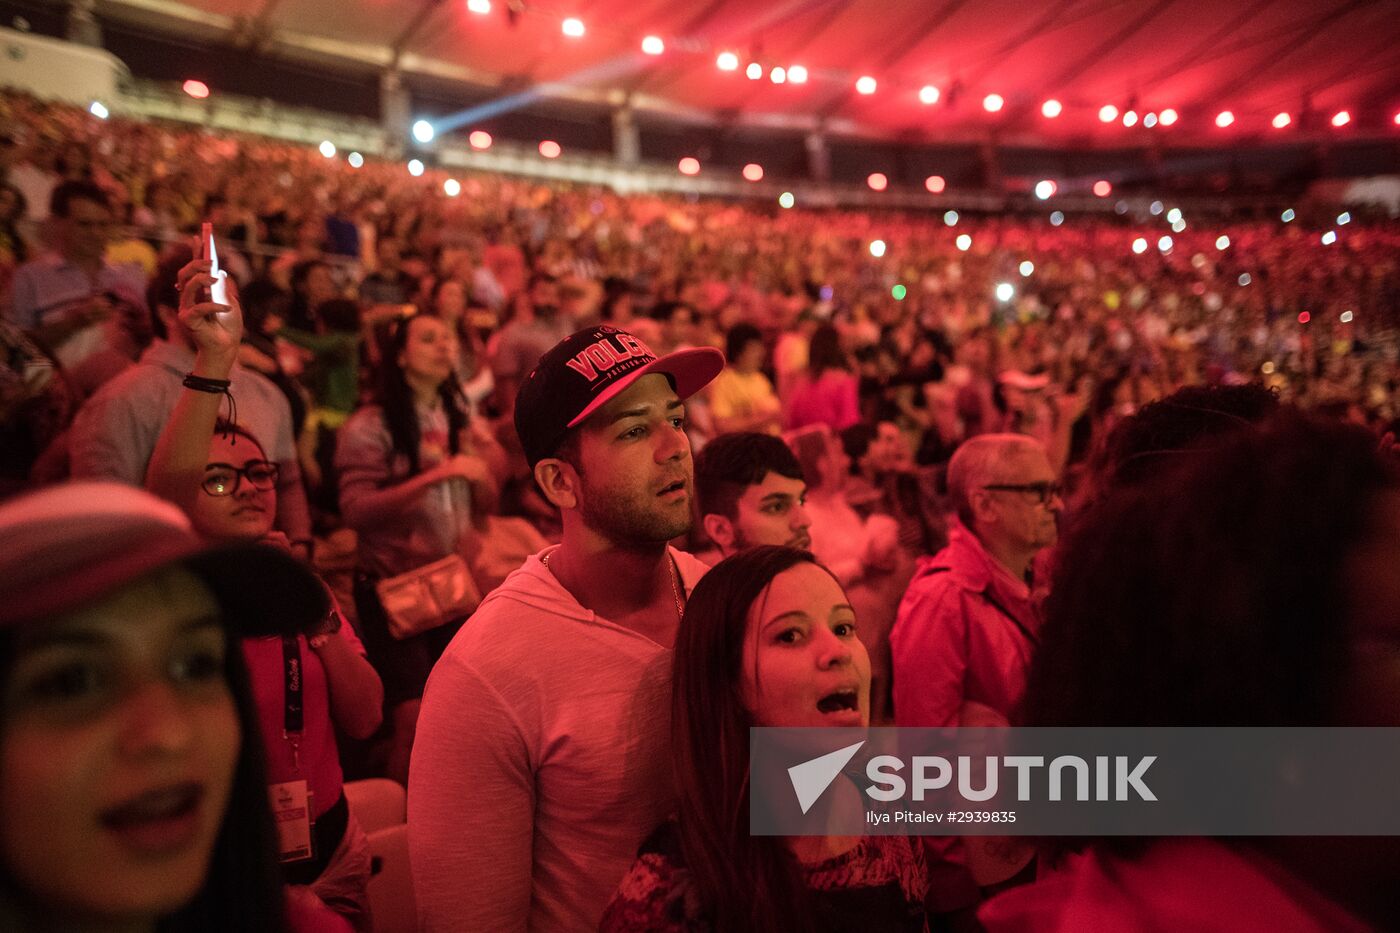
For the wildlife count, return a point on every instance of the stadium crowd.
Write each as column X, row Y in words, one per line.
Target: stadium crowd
column 932, row 437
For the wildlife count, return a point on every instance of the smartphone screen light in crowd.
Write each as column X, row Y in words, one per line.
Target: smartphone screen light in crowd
column 99, row 111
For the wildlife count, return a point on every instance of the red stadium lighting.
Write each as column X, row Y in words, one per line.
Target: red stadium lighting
column 754, row 72
column 753, row 172
column 1341, row 118
column 572, row 27
column 196, row 89
column 1051, row 109
column 935, row 184
column 1102, row 188
column 928, row 94
column 550, row 149
column 866, row 85
column 778, row 75
column 727, row 61
column 689, row 166
column 1397, row 118
column 797, row 74
column 1108, row 113
column 479, row 139
column 1224, row 118
column 1281, row 120
column 479, row 7
column 1168, row 117
column 993, row 102
column 877, row 181
column 653, row 45
column 1130, row 118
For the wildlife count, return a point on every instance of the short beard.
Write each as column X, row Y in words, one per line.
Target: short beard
column 629, row 519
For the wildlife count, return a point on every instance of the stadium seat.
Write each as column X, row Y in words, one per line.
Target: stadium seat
column 391, row 900
column 377, row 803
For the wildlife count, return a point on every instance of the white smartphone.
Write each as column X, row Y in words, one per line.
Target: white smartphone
column 218, row 292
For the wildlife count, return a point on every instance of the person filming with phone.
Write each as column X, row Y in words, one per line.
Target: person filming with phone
column 115, row 432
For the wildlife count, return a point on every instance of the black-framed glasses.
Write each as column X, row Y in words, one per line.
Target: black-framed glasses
column 1044, row 492
column 222, row 479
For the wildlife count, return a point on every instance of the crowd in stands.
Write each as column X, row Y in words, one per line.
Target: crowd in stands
column 556, row 408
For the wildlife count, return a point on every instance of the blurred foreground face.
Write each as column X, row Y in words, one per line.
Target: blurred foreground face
column 803, row 664
column 118, row 744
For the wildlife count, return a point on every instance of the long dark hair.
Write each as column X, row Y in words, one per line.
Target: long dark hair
column 1213, row 593
column 243, row 886
column 400, row 411
column 825, row 351
column 745, row 882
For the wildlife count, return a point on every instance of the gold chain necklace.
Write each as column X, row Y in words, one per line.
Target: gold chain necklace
column 675, row 584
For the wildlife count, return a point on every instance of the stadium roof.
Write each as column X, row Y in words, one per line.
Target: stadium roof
column 1255, row 59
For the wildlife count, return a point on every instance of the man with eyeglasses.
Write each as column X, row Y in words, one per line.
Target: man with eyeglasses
column 967, row 627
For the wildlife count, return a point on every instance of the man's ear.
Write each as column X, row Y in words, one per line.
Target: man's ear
column 982, row 511
column 559, row 482
column 719, row 529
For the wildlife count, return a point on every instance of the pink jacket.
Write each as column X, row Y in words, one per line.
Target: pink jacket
column 965, row 632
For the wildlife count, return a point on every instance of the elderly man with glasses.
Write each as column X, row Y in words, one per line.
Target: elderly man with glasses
column 966, row 629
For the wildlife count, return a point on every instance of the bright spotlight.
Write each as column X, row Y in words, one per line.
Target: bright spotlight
column 550, row 149
column 1051, row 109
column 1173, row 215
column 98, row 110
column 877, row 248
column 754, row 71
column 415, row 167
column 1341, row 118
column 1343, row 218
column 327, row 148
column 1168, row 117
column 778, row 75
column 928, row 94
column 1287, row 216
column 1245, row 279
column 797, row 74
column 689, row 166
column 877, row 181
column 479, row 139
column 786, row 200
column 1222, row 242
column 1044, row 189
column 479, row 7
column 1026, row 268
column 1346, row 317
column 423, row 131
column 1164, row 244
column 727, row 61
column 963, row 242
column 452, row 187
column 653, row 45
column 196, row 89
column 1140, row 245
column 572, row 27
column 1130, row 118
column 866, row 85
column 1056, row 218
column 1155, row 208
column 1103, row 188
column 1281, row 120
column 1178, row 226
column 993, row 102
column 753, row 172
column 1108, row 113
column 355, row 159
column 1329, row 238
column 1149, row 120
column 935, row 184
column 1005, row 292
column 1224, row 118
column 950, row 218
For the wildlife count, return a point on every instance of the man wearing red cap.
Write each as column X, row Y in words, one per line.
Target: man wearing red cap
column 542, row 755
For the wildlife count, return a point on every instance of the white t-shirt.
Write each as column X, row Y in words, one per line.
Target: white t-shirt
column 541, row 763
